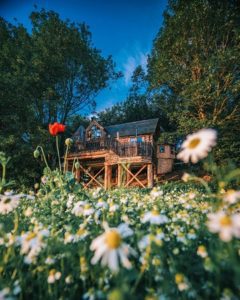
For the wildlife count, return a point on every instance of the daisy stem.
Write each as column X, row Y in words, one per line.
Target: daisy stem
column 3, row 173
column 137, row 281
column 73, row 164
column 59, row 161
column 203, row 182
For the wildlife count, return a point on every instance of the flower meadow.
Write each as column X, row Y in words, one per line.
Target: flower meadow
column 179, row 240
column 164, row 243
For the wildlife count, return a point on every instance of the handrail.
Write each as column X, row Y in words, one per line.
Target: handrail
column 121, row 149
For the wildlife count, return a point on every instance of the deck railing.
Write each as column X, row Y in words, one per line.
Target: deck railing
column 121, row 149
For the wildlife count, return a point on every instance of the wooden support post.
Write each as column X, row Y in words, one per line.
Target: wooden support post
column 108, row 177
column 134, row 177
column 105, row 177
column 129, row 174
column 150, row 175
column 119, row 175
column 94, row 177
column 77, row 174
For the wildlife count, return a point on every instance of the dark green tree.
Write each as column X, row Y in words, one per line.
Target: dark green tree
column 195, row 61
column 47, row 75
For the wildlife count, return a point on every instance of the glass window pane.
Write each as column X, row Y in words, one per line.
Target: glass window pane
column 161, row 149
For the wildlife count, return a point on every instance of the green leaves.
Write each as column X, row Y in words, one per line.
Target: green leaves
column 47, row 74
column 195, row 58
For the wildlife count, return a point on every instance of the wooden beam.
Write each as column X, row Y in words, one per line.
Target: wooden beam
column 119, row 175
column 150, row 175
column 108, row 177
column 88, row 154
column 90, row 175
column 94, row 176
column 134, row 176
column 128, row 175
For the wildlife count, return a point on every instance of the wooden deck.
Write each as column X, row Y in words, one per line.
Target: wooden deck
column 107, row 163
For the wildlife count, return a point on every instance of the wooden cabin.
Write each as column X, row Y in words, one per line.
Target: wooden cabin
column 122, row 155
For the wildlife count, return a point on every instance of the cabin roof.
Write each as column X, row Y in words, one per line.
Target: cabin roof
column 132, row 128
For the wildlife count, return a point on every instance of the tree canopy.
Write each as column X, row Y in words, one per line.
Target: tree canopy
column 193, row 76
column 48, row 74
column 195, row 61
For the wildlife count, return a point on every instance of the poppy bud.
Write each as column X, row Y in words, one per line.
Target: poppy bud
column 77, row 165
column 68, row 142
column 36, row 153
column 36, row 186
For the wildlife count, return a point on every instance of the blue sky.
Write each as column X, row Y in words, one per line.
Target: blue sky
column 121, row 28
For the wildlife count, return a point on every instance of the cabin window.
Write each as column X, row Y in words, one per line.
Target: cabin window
column 161, row 149
column 133, row 140
column 138, row 139
column 95, row 132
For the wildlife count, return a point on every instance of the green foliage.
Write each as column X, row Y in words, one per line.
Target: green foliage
column 168, row 138
column 48, row 74
column 4, row 160
column 194, row 69
column 47, row 243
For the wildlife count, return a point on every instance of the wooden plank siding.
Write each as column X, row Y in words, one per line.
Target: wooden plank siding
column 119, row 155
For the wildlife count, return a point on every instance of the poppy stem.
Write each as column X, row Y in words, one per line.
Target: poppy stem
column 44, row 157
column 65, row 159
column 75, row 159
column 59, row 161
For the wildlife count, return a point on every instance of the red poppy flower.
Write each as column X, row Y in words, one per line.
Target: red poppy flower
column 56, row 128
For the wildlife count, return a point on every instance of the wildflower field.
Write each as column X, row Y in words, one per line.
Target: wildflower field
column 179, row 240
column 164, row 243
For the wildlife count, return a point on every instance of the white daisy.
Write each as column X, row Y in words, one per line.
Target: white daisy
column 88, row 210
column 186, row 177
column 8, row 203
column 110, row 248
column 202, row 251
column 231, row 196
column 197, row 145
column 53, row 276
column 227, row 226
column 113, row 207
column 32, row 243
column 156, row 192
column 96, row 192
column 70, row 200
column 154, row 217
column 78, row 208
column 101, row 204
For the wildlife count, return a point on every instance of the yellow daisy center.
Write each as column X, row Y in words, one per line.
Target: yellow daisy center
column 194, row 143
column 230, row 192
column 225, row 221
column 80, row 231
column 201, row 249
column 31, row 236
column 155, row 212
column 113, row 239
column 179, row 278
